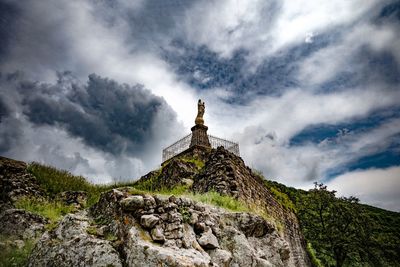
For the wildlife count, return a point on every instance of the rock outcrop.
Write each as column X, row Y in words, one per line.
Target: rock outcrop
column 128, row 229
column 226, row 173
column 153, row 230
column 16, row 182
column 21, row 224
column 70, row 244
column 18, row 225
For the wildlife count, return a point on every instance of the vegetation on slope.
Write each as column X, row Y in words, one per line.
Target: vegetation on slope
column 13, row 254
column 55, row 181
column 371, row 237
column 52, row 210
column 341, row 231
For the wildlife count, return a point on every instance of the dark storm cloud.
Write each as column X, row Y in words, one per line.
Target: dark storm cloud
column 116, row 118
column 205, row 69
column 3, row 109
column 8, row 14
column 151, row 23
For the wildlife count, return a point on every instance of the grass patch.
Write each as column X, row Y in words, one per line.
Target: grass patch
column 55, row 181
column 198, row 162
column 280, row 196
column 314, row 260
column 149, row 184
column 11, row 255
column 283, row 199
column 52, row 210
column 178, row 190
column 111, row 237
column 214, row 198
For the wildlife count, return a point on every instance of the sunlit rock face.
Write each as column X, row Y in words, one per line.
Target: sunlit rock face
column 227, row 174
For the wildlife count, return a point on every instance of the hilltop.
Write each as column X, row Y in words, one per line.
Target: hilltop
column 198, row 209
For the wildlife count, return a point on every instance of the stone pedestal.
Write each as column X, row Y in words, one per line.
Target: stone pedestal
column 199, row 136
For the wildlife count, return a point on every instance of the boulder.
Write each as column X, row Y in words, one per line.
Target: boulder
column 21, row 224
column 70, row 245
column 208, row 240
column 157, row 234
column 149, row 221
column 220, row 257
column 132, row 203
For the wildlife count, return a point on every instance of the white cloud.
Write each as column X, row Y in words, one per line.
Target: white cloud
column 377, row 187
column 265, row 135
column 327, row 62
column 266, row 27
column 309, row 38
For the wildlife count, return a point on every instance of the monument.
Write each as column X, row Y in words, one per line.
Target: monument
column 199, row 131
column 198, row 141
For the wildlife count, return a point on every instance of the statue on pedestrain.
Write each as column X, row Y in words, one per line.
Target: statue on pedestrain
column 200, row 112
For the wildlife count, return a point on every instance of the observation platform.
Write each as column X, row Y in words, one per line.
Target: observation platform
column 198, row 141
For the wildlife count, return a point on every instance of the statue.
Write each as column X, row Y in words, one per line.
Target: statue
column 200, row 112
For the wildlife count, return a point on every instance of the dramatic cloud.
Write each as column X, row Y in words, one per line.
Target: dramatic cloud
column 117, row 120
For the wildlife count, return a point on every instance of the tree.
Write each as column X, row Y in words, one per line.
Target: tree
column 337, row 226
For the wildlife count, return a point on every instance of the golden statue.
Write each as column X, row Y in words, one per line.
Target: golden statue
column 200, row 112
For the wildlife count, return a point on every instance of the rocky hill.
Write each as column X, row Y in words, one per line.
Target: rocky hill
column 225, row 217
column 226, row 173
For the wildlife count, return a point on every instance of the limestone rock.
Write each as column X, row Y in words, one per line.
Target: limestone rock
column 71, row 245
column 208, row 240
column 221, row 257
column 16, row 182
column 227, row 174
column 157, row 234
column 140, row 252
column 149, row 221
column 132, row 203
column 21, row 224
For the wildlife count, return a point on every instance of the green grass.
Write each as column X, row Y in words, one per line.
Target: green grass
column 150, row 184
column 282, row 198
column 279, row 195
column 214, row 198
column 211, row 198
column 52, row 210
column 198, row 162
column 13, row 256
column 178, row 190
column 313, row 257
column 55, row 181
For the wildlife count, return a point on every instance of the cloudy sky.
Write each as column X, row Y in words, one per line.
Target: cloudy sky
column 309, row 89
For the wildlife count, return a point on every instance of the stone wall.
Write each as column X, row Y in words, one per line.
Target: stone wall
column 227, row 174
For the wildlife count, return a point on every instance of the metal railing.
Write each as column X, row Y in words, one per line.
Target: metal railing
column 184, row 143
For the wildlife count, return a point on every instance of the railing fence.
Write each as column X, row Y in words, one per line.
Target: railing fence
column 184, row 143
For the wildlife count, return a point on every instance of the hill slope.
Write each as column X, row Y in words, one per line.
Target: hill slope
column 141, row 223
column 222, row 213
